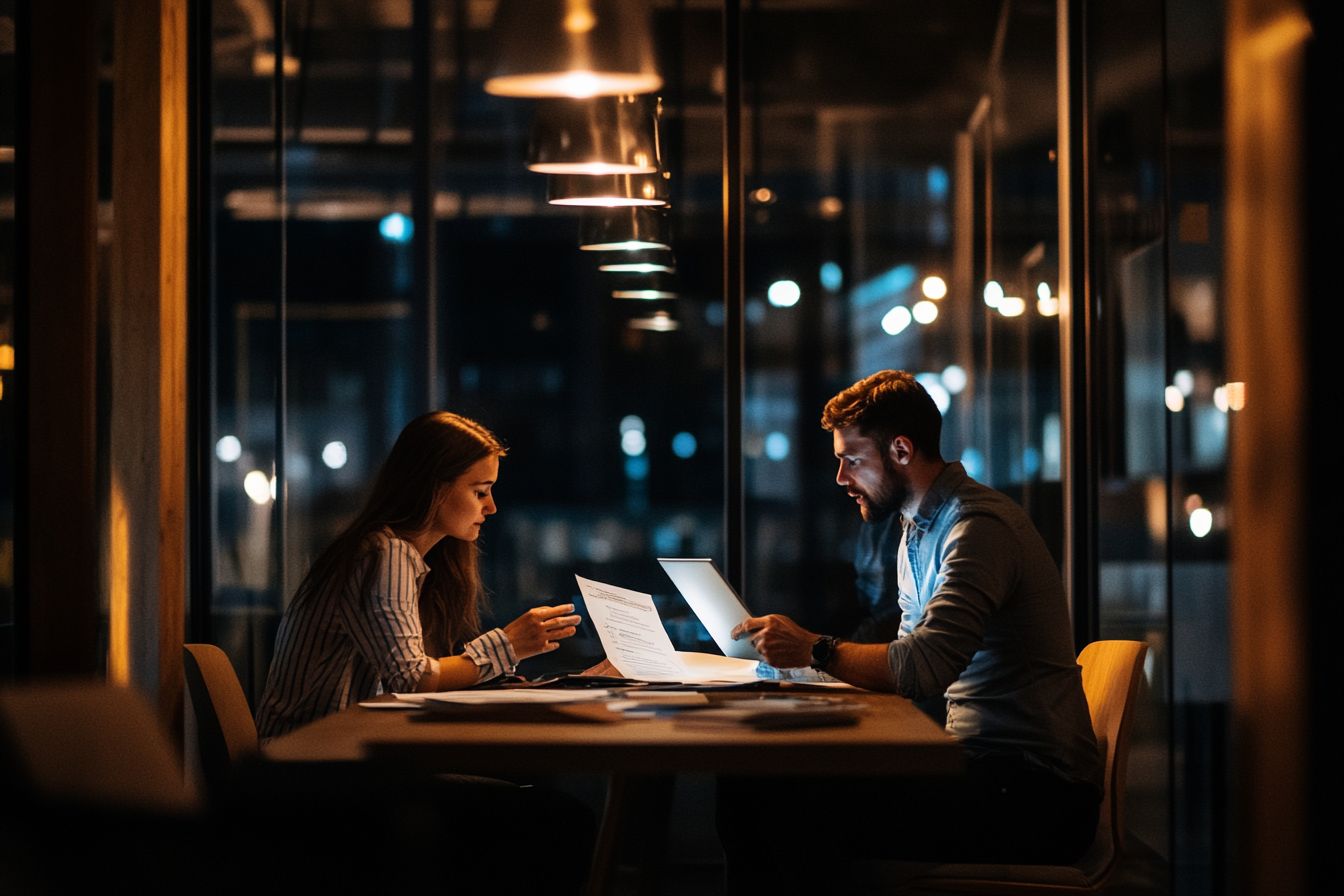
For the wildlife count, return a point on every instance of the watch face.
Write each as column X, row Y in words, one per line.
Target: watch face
column 822, row 650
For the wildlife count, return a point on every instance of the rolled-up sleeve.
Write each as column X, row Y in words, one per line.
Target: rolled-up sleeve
column 980, row 564
column 383, row 616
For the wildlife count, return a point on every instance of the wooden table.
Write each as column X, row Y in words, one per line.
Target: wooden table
column 891, row 737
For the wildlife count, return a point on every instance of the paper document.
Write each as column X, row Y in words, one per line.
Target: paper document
column 632, row 633
column 505, row 695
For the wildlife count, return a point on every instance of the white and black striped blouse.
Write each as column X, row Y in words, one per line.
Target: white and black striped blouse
column 360, row 638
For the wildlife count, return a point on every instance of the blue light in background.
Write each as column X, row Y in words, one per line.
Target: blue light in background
column 1031, row 461
column 974, row 462
column 776, row 446
column 783, row 293
column 396, row 228
column 633, row 442
column 885, row 285
column 933, row 384
column 832, row 278
column 683, row 445
column 666, row 540
column 938, row 182
column 637, row 468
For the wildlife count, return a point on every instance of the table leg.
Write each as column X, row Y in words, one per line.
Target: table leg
column 608, row 832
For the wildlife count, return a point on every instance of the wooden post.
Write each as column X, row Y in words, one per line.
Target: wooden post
column 1270, row 600
column 147, row 330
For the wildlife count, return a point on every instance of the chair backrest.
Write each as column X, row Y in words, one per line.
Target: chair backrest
column 225, row 730
column 90, row 745
column 1111, row 674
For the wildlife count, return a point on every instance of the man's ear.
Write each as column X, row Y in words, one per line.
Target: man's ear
column 901, row 450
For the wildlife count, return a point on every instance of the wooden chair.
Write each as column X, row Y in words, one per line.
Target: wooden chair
column 225, row 731
column 1111, row 674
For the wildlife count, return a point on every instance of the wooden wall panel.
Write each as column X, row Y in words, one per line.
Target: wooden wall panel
column 147, row 326
column 1270, row 597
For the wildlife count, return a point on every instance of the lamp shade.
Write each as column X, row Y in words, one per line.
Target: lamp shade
column 601, row 135
column 624, row 230
column 573, row 48
column 606, row 190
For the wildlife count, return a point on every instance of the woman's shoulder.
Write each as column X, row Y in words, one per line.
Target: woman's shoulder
column 383, row 543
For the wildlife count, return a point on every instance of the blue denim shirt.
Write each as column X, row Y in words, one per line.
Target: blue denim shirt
column 984, row 622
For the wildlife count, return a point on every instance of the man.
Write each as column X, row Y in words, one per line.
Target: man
column 983, row 624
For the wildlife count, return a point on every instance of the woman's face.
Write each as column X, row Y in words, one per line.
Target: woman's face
column 464, row 503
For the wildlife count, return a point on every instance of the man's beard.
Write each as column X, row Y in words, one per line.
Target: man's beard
column 879, row 505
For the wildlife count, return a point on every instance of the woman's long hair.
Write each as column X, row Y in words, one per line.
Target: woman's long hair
column 433, row 450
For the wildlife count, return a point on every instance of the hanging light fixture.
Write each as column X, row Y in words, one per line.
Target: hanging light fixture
column 573, row 48
column 606, row 190
column 602, row 135
column 651, row 266
column 624, row 230
column 658, row 322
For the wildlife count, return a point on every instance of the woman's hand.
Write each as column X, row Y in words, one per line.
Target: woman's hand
column 541, row 629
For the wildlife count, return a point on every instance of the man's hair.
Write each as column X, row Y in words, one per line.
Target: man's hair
column 888, row 404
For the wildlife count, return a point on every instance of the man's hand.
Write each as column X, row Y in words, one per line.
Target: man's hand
column 782, row 642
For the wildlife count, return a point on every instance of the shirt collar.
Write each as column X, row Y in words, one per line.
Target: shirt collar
column 421, row 567
column 944, row 485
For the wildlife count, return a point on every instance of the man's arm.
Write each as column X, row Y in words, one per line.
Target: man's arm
column 787, row 645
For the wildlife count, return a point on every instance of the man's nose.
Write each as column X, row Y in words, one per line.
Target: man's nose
column 841, row 477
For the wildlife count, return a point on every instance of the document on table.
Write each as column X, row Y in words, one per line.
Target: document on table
column 632, row 633
column 484, row 696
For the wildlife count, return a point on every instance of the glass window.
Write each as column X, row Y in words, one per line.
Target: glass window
column 611, row 413
column 8, row 349
column 883, row 194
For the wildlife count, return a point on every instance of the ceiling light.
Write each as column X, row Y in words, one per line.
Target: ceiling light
column 602, row 135
column 573, row 48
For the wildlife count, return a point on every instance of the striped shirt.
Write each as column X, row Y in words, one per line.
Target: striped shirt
column 360, row 638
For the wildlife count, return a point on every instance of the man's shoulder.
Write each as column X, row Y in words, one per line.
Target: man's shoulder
column 977, row 499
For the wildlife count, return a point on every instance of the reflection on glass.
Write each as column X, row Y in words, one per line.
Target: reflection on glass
column 9, row 352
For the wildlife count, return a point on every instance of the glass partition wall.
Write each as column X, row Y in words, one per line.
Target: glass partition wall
column 378, row 247
column 8, row 259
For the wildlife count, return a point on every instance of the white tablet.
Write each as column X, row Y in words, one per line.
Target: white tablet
column 713, row 600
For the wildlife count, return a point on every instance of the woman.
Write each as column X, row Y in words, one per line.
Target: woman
column 388, row 603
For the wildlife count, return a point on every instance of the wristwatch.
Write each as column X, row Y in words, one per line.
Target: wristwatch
column 823, row 651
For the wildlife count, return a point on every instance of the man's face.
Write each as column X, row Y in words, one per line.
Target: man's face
column 868, row 474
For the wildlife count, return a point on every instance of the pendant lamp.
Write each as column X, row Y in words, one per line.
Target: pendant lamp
column 573, row 48
column 624, row 230
column 658, row 322
column 602, row 135
column 606, row 190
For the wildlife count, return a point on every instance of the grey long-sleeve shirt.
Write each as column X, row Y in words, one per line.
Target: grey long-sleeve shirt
column 984, row 622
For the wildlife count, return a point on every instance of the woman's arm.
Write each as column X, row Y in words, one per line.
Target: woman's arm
column 539, row 630
column 449, row 673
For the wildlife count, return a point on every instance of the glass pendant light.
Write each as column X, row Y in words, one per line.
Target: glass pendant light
column 606, row 190
column 573, row 48
column 624, row 230
column 602, row 135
